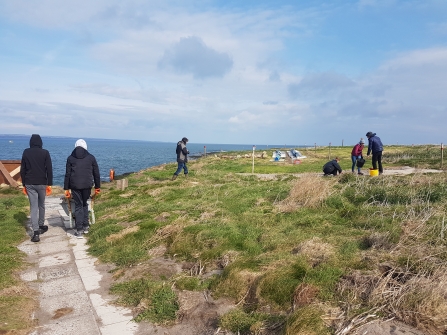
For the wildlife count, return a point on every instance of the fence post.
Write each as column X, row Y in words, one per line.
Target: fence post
column 204, row 149
column 253, row 166
column 330, row 150
column 442, row 155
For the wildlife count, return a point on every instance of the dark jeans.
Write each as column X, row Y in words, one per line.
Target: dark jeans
column 377, row 158
column 80, row 198
column 181, row 166
column 36, row 196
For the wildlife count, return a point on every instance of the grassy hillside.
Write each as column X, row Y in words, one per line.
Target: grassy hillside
column 295, row 252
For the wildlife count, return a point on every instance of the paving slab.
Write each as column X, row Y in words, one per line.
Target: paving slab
column 72, row 299
column 79, row 325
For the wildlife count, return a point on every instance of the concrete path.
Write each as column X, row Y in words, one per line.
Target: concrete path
column 72, row 299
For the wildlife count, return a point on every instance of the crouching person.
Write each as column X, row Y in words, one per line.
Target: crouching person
column 332, row 167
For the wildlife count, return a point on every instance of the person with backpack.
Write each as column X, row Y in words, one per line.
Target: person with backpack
column 357, row 156
column 332, row 167
column 182, row 158
column 81, row 173
column 36, row 171
column 375, row 147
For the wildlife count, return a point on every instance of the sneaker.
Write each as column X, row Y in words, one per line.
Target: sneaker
column 86, row 229
column 360, row 173
column 35, row 237
column 43, row 229
column 174, row 177
column 79, row 234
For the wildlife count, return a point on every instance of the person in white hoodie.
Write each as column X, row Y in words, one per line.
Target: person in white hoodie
column 81, row 173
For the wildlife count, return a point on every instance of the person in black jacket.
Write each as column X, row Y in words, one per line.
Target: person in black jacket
column 36, row 171
column 182, row 158
column 332, row 167
column 81, row 173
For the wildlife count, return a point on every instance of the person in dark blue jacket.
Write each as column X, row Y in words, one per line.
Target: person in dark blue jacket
column 375, row 147
column 81, row 173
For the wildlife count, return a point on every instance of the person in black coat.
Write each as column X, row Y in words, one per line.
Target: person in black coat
column 332, row 167
column 36, row 171
column 81, row 173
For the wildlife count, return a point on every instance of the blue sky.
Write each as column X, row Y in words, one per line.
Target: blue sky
column 248, row 72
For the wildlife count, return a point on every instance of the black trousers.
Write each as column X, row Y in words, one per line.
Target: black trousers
column 81, row 207
column 377, row 159
column 334, row 172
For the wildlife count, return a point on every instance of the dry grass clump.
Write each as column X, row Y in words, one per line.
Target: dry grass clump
column 164, row 232
column 239, row 285
column 227, row 258
column 307, row 191
column 315, row 250
column 415, row 299
column 118, row 236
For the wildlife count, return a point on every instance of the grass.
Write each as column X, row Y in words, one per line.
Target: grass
column 288, row 247
column 289, row 241
column 16, row 301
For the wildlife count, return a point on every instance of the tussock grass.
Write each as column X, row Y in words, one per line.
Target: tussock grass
column 308, row 191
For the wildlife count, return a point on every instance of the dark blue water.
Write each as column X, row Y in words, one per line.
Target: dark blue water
column 120, row 155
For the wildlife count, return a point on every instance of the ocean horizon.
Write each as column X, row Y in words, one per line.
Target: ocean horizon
column 124, row 156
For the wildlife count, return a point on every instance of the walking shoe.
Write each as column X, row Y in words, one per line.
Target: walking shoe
column 35, row 237
column 86, row 229
column 361, row 173
column 186, row 175
column 43, row 229
column 174, row 177
column 79, row 234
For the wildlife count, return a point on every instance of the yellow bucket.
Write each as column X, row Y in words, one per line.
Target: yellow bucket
column 373, row 172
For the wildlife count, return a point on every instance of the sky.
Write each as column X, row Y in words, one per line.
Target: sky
column 232, row 72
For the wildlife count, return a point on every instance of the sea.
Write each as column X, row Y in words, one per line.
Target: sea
column 124, row 156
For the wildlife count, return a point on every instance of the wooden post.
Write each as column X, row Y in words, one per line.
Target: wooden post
column 204, row 149
column 253, row 166
column 342, row 143
column 330, row 150
column 121, row 184
column 315, row 147
column 442, row 155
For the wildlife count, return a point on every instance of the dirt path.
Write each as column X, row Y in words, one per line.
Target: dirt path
column 405, row 170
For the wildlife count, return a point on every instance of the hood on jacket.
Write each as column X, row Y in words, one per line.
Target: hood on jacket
column 81, row 143
column 35, row 141
column 370, row 134
column 79, row 152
